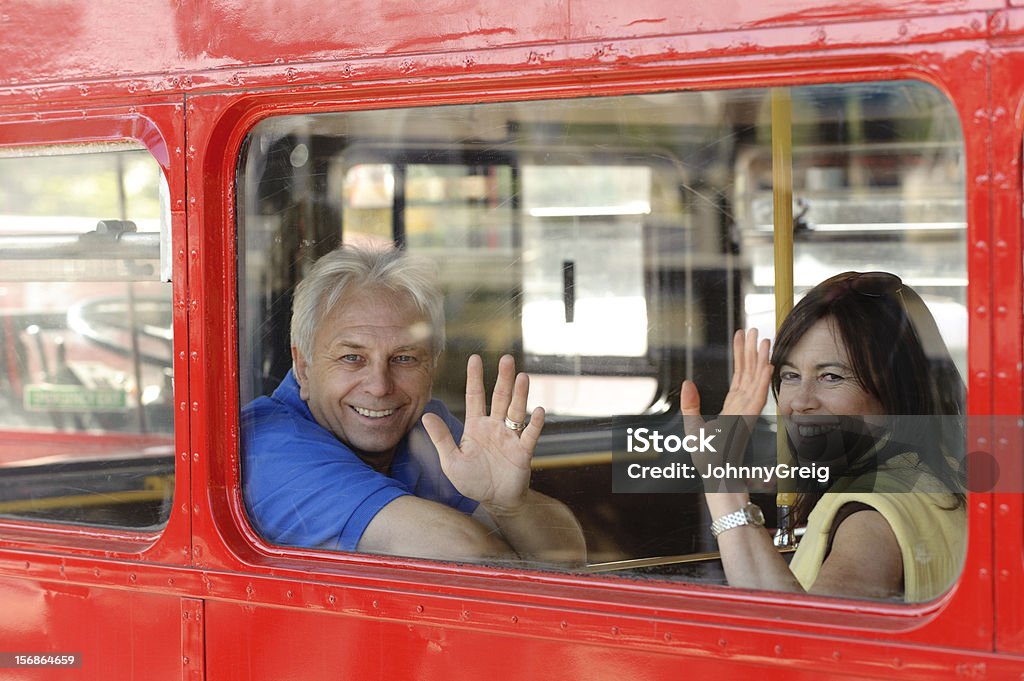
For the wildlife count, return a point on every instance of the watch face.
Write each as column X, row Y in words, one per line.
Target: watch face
column 755, row 514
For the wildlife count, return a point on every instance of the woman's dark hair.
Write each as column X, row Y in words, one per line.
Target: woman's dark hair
column 897, row 355
column 892, row 340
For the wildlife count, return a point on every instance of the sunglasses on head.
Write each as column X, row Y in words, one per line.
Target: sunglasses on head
column 873, row 284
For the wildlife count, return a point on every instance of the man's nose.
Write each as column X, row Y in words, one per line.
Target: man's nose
column 378, row 380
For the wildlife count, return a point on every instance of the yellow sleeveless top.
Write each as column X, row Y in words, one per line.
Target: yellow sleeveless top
column 930, row 528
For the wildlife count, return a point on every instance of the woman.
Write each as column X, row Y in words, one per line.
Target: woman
column 892, row 521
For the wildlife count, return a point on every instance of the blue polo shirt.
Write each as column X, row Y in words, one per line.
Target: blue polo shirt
column 304, row 487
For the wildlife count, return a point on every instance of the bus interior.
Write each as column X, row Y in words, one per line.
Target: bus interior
column 612, row 245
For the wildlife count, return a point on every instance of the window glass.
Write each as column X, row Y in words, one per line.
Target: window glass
column 85, row 337
column 612, row 246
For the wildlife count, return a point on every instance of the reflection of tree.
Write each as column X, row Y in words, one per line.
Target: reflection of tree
column 80, row 185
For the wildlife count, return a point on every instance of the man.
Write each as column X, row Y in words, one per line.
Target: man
column 350, row 452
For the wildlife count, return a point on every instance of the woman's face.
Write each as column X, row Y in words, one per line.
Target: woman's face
column 819, row 392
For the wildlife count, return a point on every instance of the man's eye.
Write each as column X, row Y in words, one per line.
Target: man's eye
column 404, row 359
column 350, row 358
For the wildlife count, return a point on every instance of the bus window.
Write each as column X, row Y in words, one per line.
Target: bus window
column 85, row 337
column 612, row 245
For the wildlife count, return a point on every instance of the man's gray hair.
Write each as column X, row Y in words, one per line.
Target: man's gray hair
column 352, row 269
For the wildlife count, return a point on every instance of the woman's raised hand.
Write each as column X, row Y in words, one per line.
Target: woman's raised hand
column 751, row 375
column 748, row 392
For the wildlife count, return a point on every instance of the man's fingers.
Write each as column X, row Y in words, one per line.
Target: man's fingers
column 504, row 387
column 476, row 399
column 532, row 433
column 439, row 434
column 517, row 409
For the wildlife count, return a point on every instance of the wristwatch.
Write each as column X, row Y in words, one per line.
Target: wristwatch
column 750, row 514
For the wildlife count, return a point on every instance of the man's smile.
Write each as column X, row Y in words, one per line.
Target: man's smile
column 373, row 414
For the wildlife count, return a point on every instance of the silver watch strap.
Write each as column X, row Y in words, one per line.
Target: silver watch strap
column 750, row 514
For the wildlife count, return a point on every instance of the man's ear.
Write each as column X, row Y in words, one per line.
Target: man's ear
column 301, row 368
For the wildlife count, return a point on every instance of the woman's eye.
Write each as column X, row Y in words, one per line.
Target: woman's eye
column 789, row 376
column 832, row 378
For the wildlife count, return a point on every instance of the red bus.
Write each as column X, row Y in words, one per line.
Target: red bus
column 608, row 190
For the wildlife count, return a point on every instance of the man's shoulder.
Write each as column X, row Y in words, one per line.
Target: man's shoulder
column 283, row 419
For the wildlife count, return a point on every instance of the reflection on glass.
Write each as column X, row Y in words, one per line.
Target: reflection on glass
column 612, row 245
column 85, row 338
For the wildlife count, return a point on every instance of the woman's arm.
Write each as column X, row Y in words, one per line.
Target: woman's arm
column 865, row 558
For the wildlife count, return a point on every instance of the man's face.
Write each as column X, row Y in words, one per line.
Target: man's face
column 370, row 374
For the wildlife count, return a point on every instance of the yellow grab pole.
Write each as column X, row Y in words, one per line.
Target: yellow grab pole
column 782, row 194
